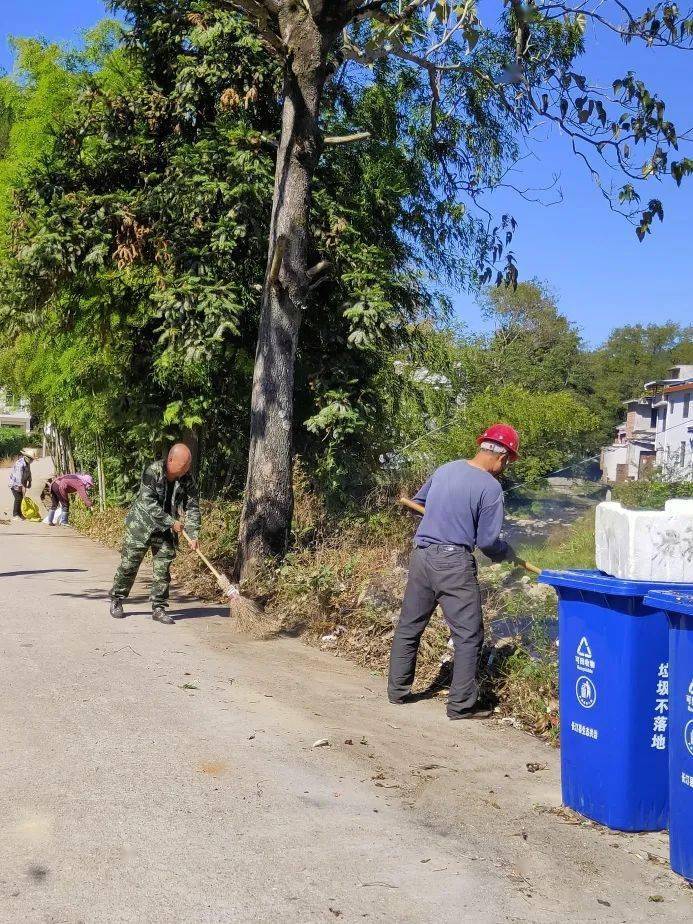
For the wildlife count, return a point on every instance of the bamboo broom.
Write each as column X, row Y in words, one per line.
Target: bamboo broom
column 248, row 615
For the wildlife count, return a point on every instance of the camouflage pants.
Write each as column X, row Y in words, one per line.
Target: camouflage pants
column 134, row 549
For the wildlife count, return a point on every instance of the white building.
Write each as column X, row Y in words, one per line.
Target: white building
column 658, row 430
column 14, row 412
column 633, row 449
column 674, row 433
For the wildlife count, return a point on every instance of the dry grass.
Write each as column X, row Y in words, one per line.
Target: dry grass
column 341, row 585
column 107, row 527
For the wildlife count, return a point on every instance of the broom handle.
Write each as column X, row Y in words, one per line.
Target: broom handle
column 417, row 508
column 203, row 557
column 412, row 505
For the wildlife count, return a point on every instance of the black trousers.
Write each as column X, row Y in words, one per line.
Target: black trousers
column 17, row 497
column 444, row 574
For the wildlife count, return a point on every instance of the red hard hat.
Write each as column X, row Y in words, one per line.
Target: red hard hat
column 505, row 436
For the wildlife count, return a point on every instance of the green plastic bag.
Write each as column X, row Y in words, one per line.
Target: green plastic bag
column 30, row 509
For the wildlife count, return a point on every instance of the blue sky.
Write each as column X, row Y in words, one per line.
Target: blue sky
column 602, row 274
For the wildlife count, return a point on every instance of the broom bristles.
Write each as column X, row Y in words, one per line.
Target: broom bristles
column 249, row 617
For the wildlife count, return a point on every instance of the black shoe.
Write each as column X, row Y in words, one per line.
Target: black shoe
column 117, row 609
column 159, row 614
column 476, row 712
column 407, row 698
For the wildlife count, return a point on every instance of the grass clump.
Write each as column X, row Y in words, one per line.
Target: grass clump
column 652, row 493
column 341, row 586
column 571, row 549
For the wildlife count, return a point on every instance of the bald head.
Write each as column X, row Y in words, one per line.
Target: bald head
column 178, row 461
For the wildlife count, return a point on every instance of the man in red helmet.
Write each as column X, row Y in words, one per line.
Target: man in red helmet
column 464, row 511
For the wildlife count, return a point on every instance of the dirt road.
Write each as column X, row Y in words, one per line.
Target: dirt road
column 168, row 774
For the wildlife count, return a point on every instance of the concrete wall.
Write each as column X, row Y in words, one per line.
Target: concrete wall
column 638, row 418
column 19, row 419
column 674, row 439
column 612, row 457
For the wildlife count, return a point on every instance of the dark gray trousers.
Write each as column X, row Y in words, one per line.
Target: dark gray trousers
column 445, row 575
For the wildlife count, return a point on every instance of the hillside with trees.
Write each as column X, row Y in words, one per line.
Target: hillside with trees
column 137, row 178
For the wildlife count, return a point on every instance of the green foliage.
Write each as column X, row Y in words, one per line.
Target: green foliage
column 39, row 95
column 533, row 343
column 32, row 103
column 574, row 549
column 440, row 405
column 143, row 230
column 554, row 426
column 138, row 175
column 630, row 357
column 11, row 441
column 651, row 493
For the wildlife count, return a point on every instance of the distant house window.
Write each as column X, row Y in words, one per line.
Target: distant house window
column 653, row 419
column 686, row 405
column 682, row 452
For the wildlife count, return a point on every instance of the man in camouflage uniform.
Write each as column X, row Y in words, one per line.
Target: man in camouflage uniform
column 152, row 523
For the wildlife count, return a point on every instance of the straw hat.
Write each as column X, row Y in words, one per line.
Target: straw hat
column 31, row 453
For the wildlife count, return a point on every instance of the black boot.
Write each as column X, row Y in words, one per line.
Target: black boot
column 475, row 712
column 159, row 614
column 117, row 609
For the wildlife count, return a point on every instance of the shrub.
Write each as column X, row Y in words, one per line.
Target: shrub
column 12, row 439
column 651, row 493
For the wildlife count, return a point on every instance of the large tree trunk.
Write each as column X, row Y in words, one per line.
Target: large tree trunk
column 268, row 500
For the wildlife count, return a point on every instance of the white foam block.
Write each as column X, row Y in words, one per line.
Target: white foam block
column 646, row 545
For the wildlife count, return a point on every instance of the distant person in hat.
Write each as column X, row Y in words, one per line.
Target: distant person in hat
column 20, row 479
column 464, row 510
column 60, row 490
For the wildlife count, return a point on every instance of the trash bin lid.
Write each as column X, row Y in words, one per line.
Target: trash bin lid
column 599, row 582
column 673, row 600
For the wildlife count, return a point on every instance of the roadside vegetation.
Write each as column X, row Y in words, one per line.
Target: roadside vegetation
column 340, row 588
column 12, row 439
column 136, row 194
column 653, row 492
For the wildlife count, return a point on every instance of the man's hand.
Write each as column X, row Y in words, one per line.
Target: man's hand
column 177, row 527
column 194, row 544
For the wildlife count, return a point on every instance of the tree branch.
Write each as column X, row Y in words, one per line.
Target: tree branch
column 634, row 29
column 345, row 139
column 319, row 268
column 374, row 10
column 260, row 11
column 277, row 258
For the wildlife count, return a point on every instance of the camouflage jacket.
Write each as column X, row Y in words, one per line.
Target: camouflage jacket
column 147, row 514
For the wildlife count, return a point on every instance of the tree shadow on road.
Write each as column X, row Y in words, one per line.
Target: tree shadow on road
column 90, row 594
column 5, row 574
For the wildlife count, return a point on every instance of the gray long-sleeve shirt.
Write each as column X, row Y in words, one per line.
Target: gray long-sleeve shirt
column 464, row 506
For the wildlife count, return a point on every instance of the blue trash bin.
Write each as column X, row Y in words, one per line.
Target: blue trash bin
column 679, row 609
column 613, row 656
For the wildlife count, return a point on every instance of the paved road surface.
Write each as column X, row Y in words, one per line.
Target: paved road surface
column 128, row 798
